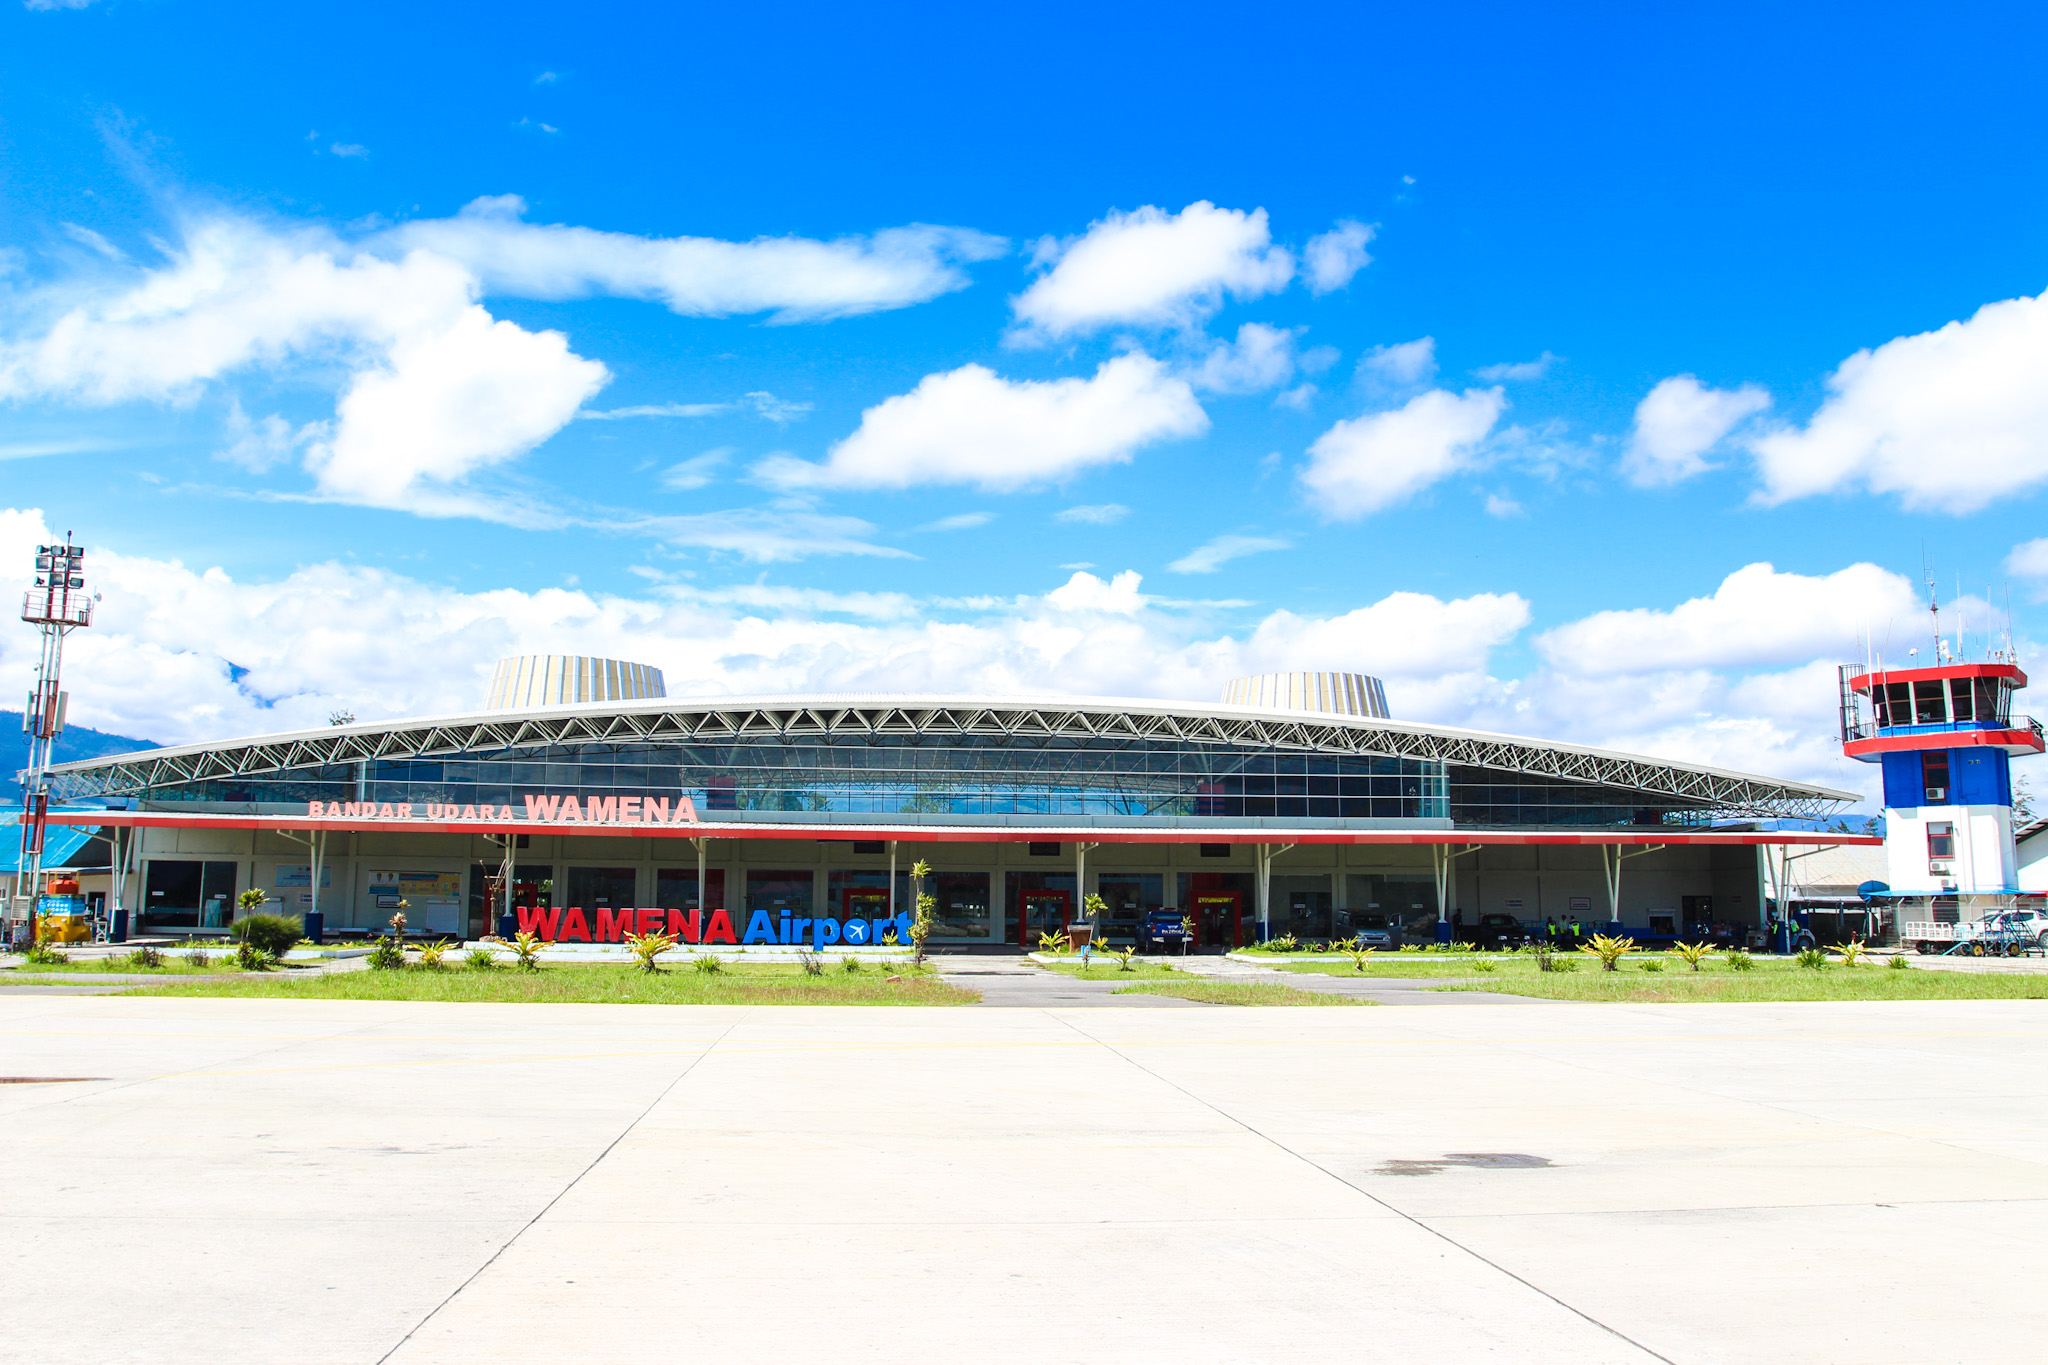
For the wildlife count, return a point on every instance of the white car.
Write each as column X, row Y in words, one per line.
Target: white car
column 2030, row 923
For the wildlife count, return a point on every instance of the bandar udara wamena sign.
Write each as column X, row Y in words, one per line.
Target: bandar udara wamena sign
column 556, row 924
column 543, row 810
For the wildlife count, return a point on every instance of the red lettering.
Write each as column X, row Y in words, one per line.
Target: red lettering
column 385, row 814
column 604, row 808
column 468, row 812
column 405, row 810
column 686, row 811
column 629, row 808
column 654, row 810
column 541, row 923
column 613, row 928
column 350, row 810
column 651, row 920
column 570, row 810
column 316, row 809
column 541, row 807
column 686, row 929
column 720, row 929
column 504, row 812
column 575, row 926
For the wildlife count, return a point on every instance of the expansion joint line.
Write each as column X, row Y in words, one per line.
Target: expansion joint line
column 1354, row 1186
column 559, row 1196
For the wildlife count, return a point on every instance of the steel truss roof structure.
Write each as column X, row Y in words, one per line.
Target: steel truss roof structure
column 1031, row 721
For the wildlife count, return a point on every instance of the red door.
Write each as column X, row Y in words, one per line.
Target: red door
column 865, row 902
column 1219, row 914
column 1040, row 912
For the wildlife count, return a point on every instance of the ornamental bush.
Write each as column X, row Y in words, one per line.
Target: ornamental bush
column 273, row 934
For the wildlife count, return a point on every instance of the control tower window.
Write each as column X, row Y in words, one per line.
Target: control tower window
column 1994, row 699
column 1934, row 777
column 1960, row 700
column 1930, row 703
column 1941, row 840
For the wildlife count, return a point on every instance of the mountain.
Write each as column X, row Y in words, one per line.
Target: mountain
column 77, row 741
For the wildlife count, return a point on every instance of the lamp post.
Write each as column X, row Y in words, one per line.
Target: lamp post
column 56, row 606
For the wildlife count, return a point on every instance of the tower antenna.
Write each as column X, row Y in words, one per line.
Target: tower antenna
column 56, row 606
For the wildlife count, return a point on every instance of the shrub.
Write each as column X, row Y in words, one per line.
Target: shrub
column 1357, row 955
column 251, row 958
column 849, row 965
column 526, row 950
column 387, row 956
column 922, row 923
column 889, row 939
column 1852, row 952
column 646, row 948
column 433, row 955
column 1692, row 954
column 812, row 963
column 1047, row 943
column 274, row 934
column 1285, row 943
column 1546, row 955
column 1610, row 949
column 1812, row 959
column 1739, row 960
column 1124, row 956
column 481, row 959
column 199, row 957
column 709, row 964
column 1898, row 964
column 41, row 954
column 1485, row 964
column 1651, row 964
column 146, row 955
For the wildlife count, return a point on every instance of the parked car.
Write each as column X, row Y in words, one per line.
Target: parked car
column 1163, row 931
column 1499, row 931
column 1371, row 929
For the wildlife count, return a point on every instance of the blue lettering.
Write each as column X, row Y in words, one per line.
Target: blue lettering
column 760, row 929
column 796, row 930
column 824, row 931
column 857, row 931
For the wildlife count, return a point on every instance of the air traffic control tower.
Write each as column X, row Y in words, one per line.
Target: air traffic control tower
column 1946, row 736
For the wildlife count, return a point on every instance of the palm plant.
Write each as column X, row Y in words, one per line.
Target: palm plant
column 647, row 947
column 526, row 949
column 1610, row 949
column 1851, row 952
column 1692, row 954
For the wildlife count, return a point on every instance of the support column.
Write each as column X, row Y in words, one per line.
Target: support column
column 1265, row 854
column 1081, row 883
column 1610, row 864
column 1446, row 885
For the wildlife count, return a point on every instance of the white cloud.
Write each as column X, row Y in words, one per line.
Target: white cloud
column 1678, row 422
column 1261, row 358
column 971, row 426
column 1334, row 257
column 1951, row 419
column 1368, row 463
column 1151, row 268
column 1395, row 371
column 55, row 4
column 258, row 445
column 1757, row 618
column 1095, row 514
column 350, row 149
column 780, row 532
column 1301, row 397
column 697, row 471
column 2029, row 560
column 86, row 237
column 1216, row 553
column 435, row 389
column 962, row 521
column 1503, row 507
column 794, row 279
column 1518, row 372
column 765, row 405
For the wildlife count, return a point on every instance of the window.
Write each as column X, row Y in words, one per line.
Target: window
column 1993, row 700
column 1941, row 840
column 1215, row 850
column 1934, row 777
column 1930, row 702
column 870, row 846
column 1898, row 703
column 1043, row 850
column 1960, row 695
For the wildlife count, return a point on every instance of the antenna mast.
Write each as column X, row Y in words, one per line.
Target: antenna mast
column 56, row 606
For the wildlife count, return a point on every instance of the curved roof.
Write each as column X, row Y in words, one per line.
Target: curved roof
column 856, row 714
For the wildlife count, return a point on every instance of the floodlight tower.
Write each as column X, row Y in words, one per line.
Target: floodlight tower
column 56, row 606
column 1945, row 735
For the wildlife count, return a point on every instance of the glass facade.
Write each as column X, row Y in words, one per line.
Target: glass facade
column 968, row 776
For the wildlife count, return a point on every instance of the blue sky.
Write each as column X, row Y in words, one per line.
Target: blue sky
column 313, row 301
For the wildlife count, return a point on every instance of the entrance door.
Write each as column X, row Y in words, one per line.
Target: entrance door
column 865, row 902
column 1219, row 917
column 1041, row 912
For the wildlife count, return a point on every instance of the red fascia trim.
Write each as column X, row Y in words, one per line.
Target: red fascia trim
column 2012, row 741
column 944, row 834
column 1862, row 681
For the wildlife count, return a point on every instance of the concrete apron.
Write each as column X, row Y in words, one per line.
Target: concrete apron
column 1019, row 982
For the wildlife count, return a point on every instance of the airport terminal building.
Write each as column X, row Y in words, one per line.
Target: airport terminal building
column 1298, row 807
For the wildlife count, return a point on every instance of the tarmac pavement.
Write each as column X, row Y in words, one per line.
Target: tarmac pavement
column 424, row 1184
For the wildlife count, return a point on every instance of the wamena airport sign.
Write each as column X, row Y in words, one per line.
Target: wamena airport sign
column 555, row 924
column 545, row 810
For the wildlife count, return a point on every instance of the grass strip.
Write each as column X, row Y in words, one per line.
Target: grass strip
column 1761, row 986
column 562, row 984
column 1238, row 993
column 1105, row 969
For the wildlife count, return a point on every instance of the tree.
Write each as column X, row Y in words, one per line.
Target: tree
column 927, row 910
